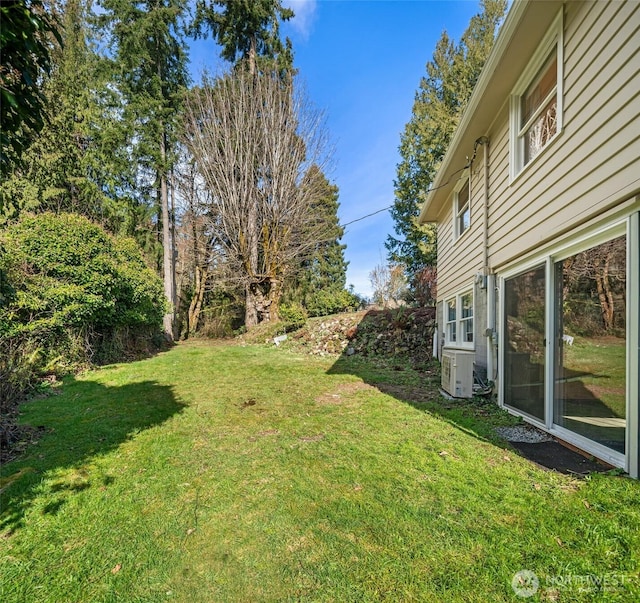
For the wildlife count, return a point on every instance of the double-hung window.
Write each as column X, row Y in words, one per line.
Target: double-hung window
column 452, row 323
column 459, row 320
column 536, row 101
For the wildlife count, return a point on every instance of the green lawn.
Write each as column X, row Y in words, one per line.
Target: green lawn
column 224, row 473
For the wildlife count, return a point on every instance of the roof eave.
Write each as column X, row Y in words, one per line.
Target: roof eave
column 430, row 209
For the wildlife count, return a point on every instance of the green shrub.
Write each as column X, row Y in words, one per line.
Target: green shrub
column 293, row 316
column 19, row 356
column 68, row 289
column 67, row 271
column 326, row 301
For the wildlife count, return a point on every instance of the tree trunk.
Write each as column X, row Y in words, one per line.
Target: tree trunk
column 167, row 262
column 251, row 306
column 253, row 56
column 605, row 295
column 275, row 293
column 252, row 289
column 196, row 300
column 174, row 253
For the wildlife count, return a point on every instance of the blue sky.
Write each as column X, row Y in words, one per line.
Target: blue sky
column 361, row 62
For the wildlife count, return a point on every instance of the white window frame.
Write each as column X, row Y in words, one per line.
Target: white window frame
column 458, row 322
column 465, row 182
column 552, row 42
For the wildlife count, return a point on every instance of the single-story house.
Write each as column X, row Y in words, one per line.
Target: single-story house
column 537, row 206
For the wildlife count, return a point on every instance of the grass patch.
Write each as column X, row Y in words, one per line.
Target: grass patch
column 248, row 473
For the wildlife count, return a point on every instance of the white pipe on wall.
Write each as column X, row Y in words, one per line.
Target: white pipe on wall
column 490, row 278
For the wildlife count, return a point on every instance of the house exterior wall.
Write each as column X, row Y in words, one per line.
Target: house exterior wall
column 462, row 258
column 480, row 322
column 480, row 316
column 590, row 169
column 586, row 180
column 592, row 166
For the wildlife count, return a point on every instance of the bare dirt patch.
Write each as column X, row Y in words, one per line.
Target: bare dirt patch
column 338, row 396
column 313, row 438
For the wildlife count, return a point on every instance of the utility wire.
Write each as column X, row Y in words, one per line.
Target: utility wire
column 367, row 216
column 462, row 169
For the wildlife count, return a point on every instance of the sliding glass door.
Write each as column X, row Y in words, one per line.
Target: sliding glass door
column 590, row 344
column 524, row 342
column 565, row 332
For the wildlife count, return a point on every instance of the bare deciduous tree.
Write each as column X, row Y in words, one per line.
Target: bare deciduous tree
column 389, row 284
column 425, row 286
column 254, row 140
column 198, row 262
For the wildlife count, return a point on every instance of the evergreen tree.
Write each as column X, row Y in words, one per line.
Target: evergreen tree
column 67, row 166
column 150, row 71
column 28, row 32
column 321, row 281
column 248, row 32
column 438, row 105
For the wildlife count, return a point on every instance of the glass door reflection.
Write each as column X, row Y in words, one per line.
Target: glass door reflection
column 590, row 347
column 524, row 328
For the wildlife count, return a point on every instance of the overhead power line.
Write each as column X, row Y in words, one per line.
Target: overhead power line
column 379, row 211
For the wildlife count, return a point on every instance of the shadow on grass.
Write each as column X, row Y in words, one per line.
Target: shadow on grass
column 412, row 377
column 477, row 417
column 419, row 387
column 85, row 420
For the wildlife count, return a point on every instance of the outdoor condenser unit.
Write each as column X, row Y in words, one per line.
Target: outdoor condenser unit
column 457, row 373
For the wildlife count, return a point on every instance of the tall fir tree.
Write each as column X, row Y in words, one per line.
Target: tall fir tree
column 439, row 103
column 150, row 72
column 28, row 33
column 321, row 279
column 248, row 32
column 69, row 167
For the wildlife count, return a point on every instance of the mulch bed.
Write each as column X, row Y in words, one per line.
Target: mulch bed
column 561, row 458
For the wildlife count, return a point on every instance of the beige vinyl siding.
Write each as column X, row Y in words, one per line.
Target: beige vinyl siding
column 594, row 163
column 499, row 202
column 460, row 260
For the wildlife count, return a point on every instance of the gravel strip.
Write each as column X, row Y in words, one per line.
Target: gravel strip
column 523, row 433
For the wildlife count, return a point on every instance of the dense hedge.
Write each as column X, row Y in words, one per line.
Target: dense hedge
column 70, row 294
column 326, row 301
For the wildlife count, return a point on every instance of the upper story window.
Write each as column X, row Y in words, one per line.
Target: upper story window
column 539, row 110
column 462, row 207
column 459, row 320
column 536, row 101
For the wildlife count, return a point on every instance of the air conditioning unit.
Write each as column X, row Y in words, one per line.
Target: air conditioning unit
column 457, row 373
